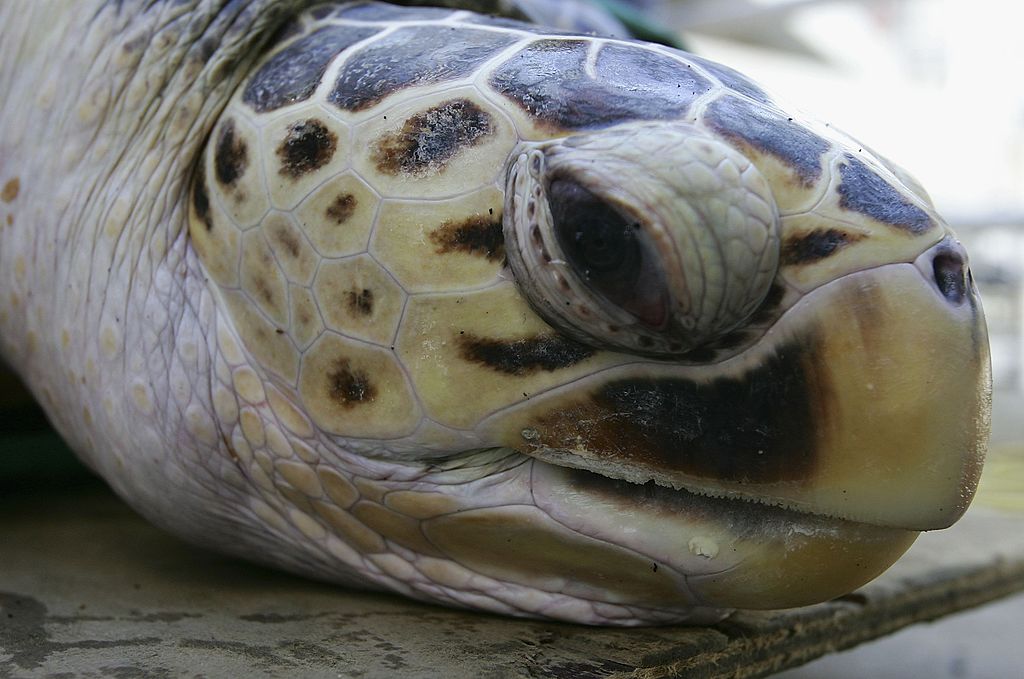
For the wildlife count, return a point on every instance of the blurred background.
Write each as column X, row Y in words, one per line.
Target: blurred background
column 938, row 87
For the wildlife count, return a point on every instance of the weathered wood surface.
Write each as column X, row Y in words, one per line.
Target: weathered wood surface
column 87, row 587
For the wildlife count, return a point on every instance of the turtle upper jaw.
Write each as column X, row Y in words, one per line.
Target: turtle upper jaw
column 867, row 401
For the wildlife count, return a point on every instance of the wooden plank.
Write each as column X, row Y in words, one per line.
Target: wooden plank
column 87, row 586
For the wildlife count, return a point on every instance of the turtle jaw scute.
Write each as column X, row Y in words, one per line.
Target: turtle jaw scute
column 867, row 401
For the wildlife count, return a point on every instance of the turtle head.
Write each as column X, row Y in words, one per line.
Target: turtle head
column 817, row 347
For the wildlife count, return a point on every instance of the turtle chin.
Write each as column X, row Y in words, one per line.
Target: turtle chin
column 867, row 401
column 734, row 554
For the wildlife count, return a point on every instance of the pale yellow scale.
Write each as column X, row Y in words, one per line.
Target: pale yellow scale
column 350, row 282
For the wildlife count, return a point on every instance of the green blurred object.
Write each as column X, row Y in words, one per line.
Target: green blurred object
column 639, row 24
column 31, row 452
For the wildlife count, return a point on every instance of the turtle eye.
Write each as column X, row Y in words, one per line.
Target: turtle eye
column 605, row 249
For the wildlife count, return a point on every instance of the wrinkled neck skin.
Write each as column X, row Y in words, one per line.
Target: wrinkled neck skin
column 107, row 315
column 105, row 311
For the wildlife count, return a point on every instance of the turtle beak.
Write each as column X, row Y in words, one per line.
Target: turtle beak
column 868, row 401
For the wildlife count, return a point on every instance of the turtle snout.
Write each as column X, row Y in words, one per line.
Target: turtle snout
column 947, row 266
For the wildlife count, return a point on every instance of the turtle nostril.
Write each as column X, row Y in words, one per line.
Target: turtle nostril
column 951, row 276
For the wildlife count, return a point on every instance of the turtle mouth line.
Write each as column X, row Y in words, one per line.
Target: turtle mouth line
column 651, row 486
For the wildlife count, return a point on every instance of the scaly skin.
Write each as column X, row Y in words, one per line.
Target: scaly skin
column 113, row 320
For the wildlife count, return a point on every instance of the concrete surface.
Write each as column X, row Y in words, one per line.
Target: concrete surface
column 88, row 589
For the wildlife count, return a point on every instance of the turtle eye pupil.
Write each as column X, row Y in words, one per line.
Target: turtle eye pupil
column 603, row 248
column 598, row 242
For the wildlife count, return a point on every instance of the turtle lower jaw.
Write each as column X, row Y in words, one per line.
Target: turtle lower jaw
column 867, row 401
column 729, row 553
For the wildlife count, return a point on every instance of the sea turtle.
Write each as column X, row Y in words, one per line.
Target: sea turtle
column 487, row 313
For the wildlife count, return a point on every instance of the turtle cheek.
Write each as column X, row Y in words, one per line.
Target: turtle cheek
column 869, row 400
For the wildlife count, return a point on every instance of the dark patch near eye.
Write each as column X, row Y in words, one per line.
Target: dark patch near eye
column 307, row 146
column 771, row 306
column 420, row 55
column 429, row 139
column 293, row 74
column 759, row 427
column 231, row 156
column 731, row 340
column 770, row 132
column 951, row 276
column 379, row 11
column 814, row 246
column 201, row 198
column 342, row 208
column 524, row 356
column 548, row 79
column 733, row 79
column 477, row 235
column 863, row 190
column 360, row 302
column 348, row 386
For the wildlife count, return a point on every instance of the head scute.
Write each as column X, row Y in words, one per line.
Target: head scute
column 651, row 239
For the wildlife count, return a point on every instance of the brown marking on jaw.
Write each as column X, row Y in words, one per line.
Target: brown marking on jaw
column 476, row 235
column 523, row 356
column 429, row 139
column 360, row 302
column 231, row 155
column 201, row 198
column 759, row 427
column 807, row 248
column 307, row 147
column 348, row 386
column 11, row 190
column 342, row 208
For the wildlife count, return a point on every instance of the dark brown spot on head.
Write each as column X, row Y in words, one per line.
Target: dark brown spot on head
column 348, row 386
column 342, row 208
column 201, row 198
column 807, row 248
column 10, row 219
column 863, row 190
column 307, row 146
column 757, row 427
column 429, row 139
column 10, row 190
column 477, row 235
column 360, row 302
column 231, row 155
column 523, row 356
